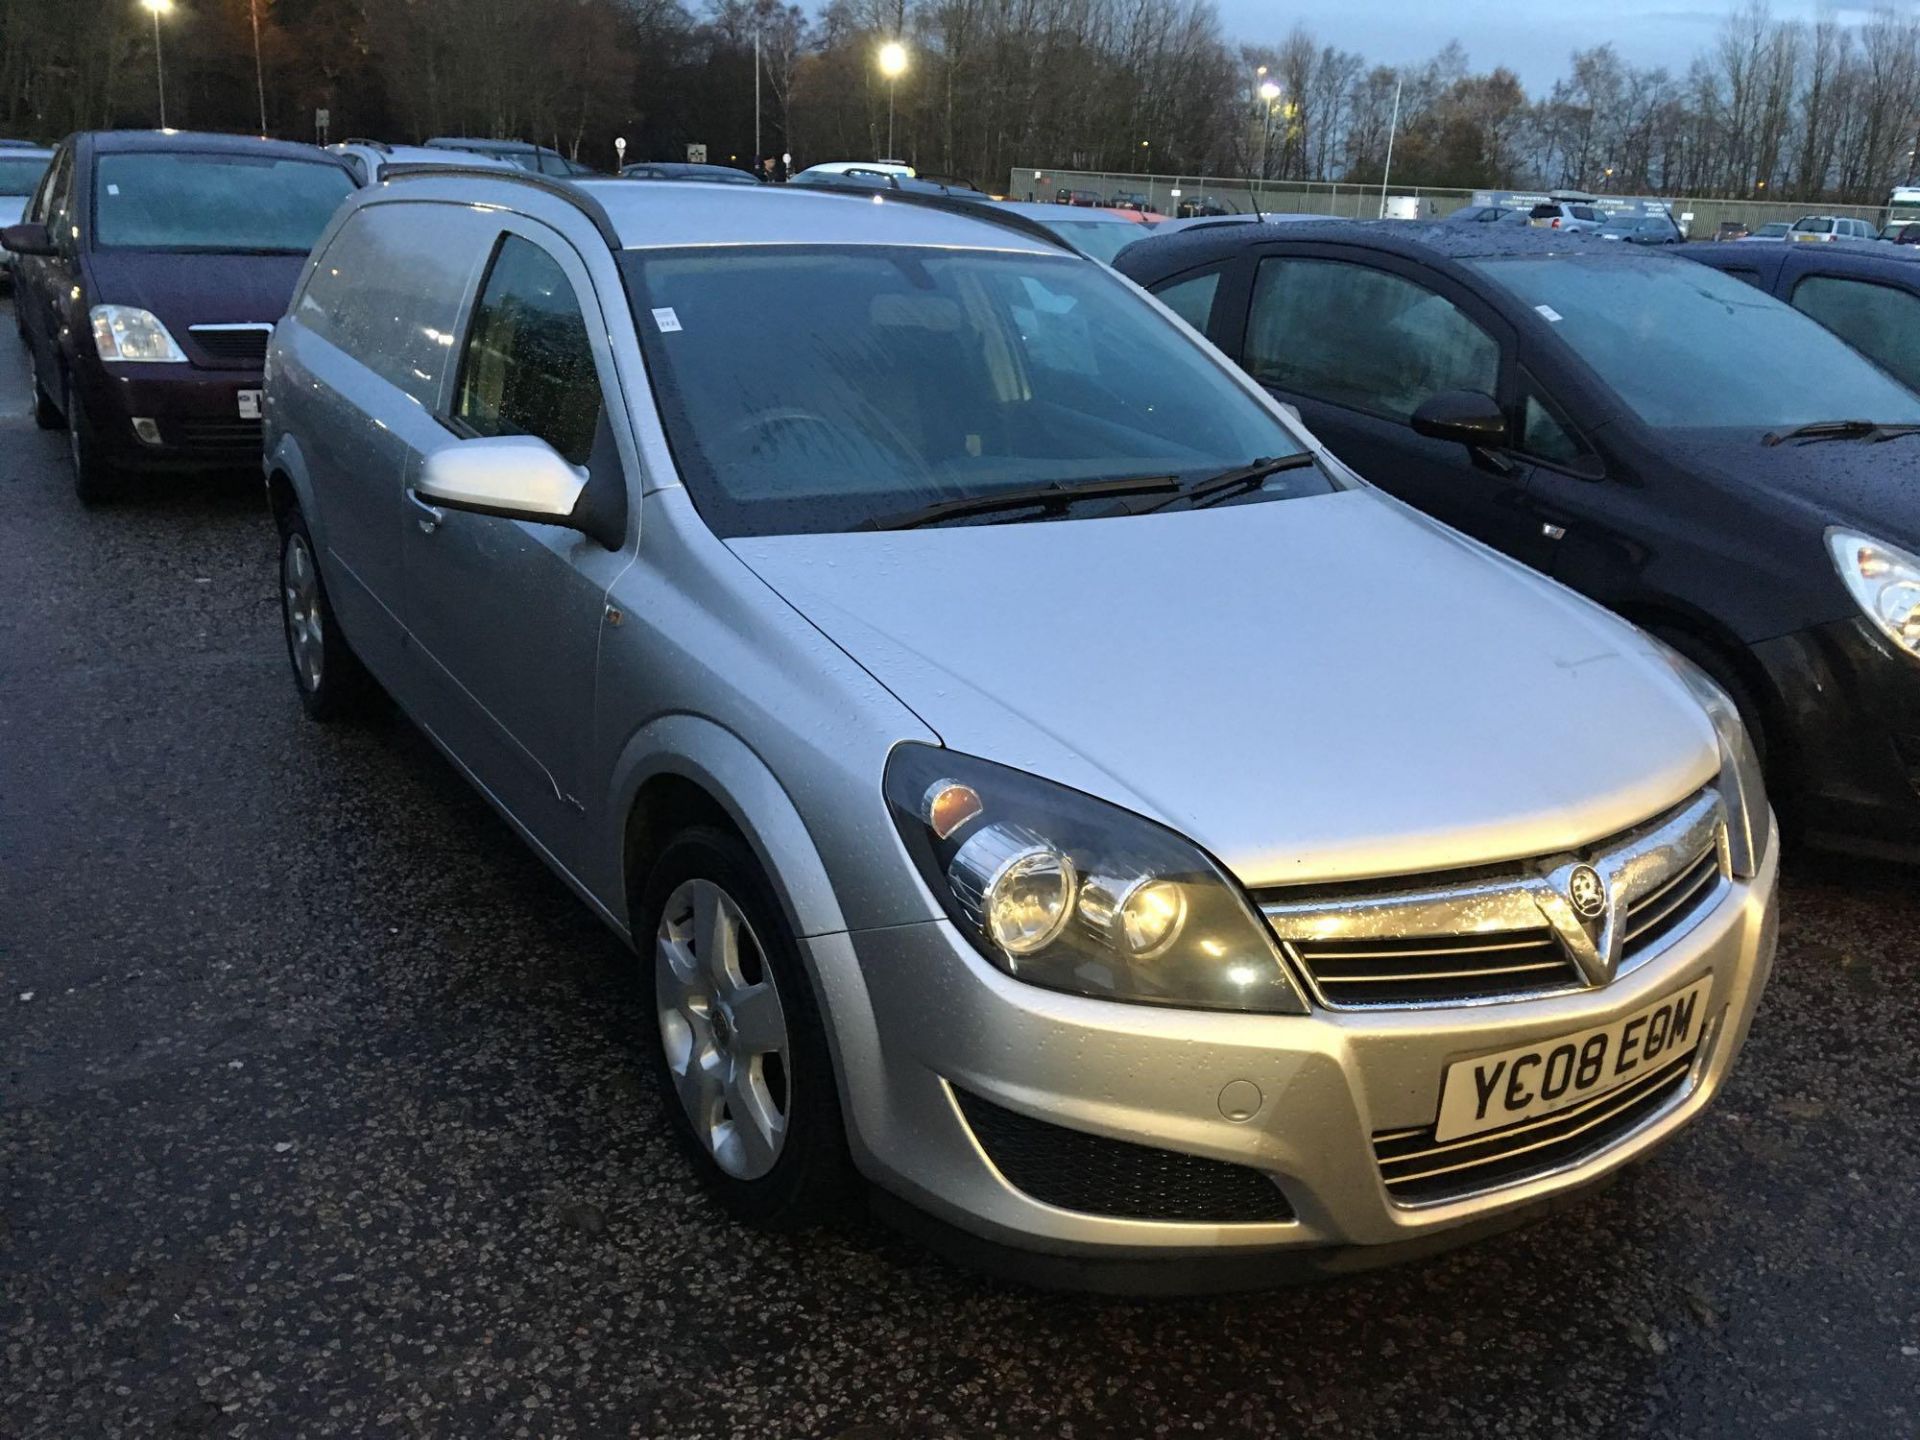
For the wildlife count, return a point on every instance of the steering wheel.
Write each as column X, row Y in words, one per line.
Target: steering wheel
column 782, row 415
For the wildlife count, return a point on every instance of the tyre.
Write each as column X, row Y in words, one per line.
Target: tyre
column 329, row 676
column 46, row 414
column 94, row 481
column 745, row 1073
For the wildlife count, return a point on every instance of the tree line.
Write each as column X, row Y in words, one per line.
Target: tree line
column 1828, row 109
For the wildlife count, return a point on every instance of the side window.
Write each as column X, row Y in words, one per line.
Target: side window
column 1879, row 321
column 388, row 288
column 528, row 364
column 59, row 196
column 42, row 206
column 1364, row 338
column 1191, row 298
column 1546, row 435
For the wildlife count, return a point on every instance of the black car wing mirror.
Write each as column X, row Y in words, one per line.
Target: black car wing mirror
column 1464, row 416
column 28, row 238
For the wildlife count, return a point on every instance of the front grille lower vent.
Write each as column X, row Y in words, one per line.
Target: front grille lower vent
column 237, row 437
column 1407, row 970
column 1417, row 1169
column 244, row 345
column 1094, row 1175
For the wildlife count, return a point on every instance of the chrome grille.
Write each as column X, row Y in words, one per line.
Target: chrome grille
column 1670, row 907
column 1506, row 932
column 1408, row 971
column 1417, row 1169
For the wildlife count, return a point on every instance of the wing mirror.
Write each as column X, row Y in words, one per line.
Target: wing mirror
column 28, row 238
column 1465, row 416
column 516, row 477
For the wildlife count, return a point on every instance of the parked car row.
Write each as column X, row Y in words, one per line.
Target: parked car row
column 1045, row 786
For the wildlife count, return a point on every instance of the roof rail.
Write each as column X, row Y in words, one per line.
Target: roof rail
column 513, row 174
column 964, row 205
column 381, row 145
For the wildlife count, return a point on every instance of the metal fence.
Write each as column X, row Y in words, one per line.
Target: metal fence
column 1165, row 193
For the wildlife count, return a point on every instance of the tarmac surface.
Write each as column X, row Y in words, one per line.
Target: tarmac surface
column 321, row 1114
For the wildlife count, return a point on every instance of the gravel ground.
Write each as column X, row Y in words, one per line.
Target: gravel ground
column 320, row 1115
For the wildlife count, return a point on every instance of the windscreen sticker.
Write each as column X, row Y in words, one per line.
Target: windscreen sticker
column 1546, row 312
column 666, row 320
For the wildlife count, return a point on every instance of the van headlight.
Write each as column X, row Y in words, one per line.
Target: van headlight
column 1068, row 892
column 121, row 332
column 1743, row 789
column 1885, row 582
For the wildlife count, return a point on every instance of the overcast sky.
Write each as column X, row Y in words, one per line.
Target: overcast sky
column 1531, row 37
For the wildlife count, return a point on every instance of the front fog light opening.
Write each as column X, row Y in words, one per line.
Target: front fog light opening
column 1139, row 917
column 1015, row 887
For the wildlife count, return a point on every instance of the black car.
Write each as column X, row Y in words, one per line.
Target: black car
column 1642, row 230
column 150, row 270
column 1869, row 297
column 1699, row 457
column 686, row 170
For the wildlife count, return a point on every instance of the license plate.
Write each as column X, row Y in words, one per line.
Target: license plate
column 1550, row 1075
column 249, row 404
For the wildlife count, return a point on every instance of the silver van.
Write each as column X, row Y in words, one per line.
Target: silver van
column 1037, row 779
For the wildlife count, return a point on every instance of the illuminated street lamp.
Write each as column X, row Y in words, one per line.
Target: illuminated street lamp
column 893, row 64
column 1269, row 92
column 157, row 8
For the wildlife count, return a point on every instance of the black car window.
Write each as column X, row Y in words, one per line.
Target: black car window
column 57, row 214
column 1879, row 321
column 1544, row 212
column 528, row 364
column 1191, row 297
column 1360, row 337
column 1546, row 435
column 1658, row 333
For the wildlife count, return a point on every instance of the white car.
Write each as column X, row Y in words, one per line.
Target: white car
column 369, row 160
column 21, row 167
column 898, row 169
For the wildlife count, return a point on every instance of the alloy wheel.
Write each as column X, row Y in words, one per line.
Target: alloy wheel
column 300, row 593
column 723, row 1028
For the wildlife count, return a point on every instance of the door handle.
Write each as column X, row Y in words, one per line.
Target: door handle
column 430, row 516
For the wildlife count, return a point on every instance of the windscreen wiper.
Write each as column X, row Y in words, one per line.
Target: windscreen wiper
column 1842, row 430
column 1055, row 496
column 1227, row 482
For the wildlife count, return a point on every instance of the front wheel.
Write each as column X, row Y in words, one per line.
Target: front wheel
column 744, row 1069
column 94, row 481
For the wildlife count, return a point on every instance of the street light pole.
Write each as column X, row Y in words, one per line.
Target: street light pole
column 259, row 78
column 1269, row 92
column 756, row 102
column 157, row 8
column 893, row 61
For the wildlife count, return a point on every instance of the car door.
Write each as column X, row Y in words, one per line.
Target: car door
column 1356, row 341
column 366, row 361
column 1881, row 321
column 504, row 615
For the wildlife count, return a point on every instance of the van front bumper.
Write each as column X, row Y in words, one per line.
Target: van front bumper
column 949, row 1031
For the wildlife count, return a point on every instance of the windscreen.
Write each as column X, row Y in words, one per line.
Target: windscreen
column 250, row 204
column 20, row 176
column 1687, row 347
column 813, row 389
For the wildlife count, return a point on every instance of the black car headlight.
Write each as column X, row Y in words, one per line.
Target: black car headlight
column 1068, row 892
column 1743, row 790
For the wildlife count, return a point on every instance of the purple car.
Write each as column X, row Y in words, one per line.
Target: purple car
column 149, row 271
